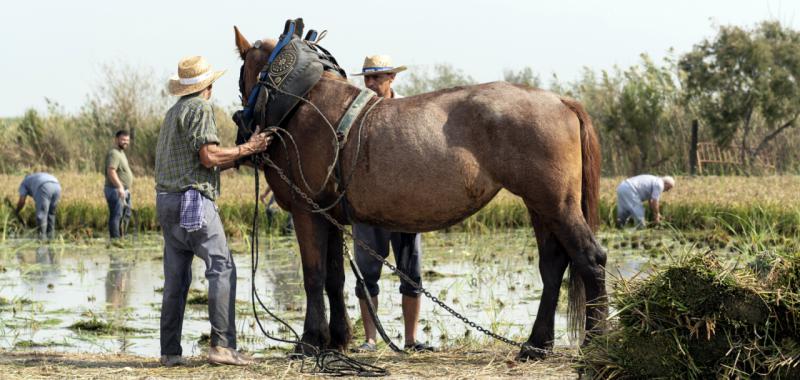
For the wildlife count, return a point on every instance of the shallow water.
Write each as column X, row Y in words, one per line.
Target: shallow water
column 490, row 278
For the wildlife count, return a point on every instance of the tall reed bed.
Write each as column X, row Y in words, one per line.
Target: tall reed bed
column 738, row 204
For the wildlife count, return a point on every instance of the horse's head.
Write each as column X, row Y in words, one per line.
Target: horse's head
column 254, row 57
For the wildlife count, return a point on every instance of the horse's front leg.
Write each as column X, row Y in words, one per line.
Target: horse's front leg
column 341, row 331
column 312, row 236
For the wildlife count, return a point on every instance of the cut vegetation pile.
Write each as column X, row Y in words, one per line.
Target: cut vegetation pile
column 698, row 319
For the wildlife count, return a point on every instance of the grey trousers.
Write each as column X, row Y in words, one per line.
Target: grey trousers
column 180, row 246
column 46, row 199
column 629, row 206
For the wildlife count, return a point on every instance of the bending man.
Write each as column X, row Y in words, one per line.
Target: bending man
column 635, row 190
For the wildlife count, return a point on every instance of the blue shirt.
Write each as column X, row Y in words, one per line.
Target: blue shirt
column 32, row 182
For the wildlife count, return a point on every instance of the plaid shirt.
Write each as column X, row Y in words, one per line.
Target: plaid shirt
column 188, row 125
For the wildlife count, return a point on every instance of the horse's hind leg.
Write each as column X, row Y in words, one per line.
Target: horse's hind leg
column 588, row 261
column 553, row 261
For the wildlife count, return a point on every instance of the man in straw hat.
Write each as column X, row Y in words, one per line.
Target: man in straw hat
column 188, row 162
column 379, row 73
column 635, row 190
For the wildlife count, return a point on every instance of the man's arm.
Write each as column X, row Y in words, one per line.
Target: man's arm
column 112, row 175
column 264, row 196
column 655, row 210
column 20, row 204
column 212, row 155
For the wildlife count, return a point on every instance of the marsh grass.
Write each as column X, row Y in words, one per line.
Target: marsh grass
column 740, row 203
column 99, row 326
column 697, row 317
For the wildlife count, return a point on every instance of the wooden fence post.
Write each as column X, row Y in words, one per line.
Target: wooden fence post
column 693, row 149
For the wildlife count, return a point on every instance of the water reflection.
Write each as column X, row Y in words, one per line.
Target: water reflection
column 492, row 279
column 118, row 282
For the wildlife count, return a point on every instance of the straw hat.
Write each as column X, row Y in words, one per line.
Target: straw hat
column 379, row 64
column 194, row 74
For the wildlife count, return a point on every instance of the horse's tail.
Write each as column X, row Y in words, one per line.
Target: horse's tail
column 590, row 197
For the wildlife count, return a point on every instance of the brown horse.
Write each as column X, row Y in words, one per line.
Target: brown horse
column 426, row 162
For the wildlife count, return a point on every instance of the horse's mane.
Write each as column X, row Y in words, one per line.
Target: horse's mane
column 333, row 76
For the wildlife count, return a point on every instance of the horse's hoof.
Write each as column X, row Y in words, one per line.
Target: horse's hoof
column 303, row 350
column 531, row 353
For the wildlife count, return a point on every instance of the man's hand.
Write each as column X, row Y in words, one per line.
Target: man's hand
column 257, row 143
column 121, row 193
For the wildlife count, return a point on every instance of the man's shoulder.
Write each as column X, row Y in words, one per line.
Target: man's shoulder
column 197, row 103
column 114, row 153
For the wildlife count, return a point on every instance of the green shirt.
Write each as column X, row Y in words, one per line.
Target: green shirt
column 117, row 160
column 188, row 125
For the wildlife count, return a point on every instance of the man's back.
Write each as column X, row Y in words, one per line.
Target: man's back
column 188, row 125
column 33, row 181
column 647, row 186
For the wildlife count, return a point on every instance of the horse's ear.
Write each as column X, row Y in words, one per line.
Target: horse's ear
column 241, row 43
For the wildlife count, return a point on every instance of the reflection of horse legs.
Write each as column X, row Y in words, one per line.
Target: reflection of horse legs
column 312, row 236
column 553, row 261
column 340, row 329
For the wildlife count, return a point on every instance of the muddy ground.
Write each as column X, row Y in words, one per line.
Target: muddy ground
column 441, row 365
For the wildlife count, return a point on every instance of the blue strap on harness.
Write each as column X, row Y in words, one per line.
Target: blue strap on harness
column 288, row 32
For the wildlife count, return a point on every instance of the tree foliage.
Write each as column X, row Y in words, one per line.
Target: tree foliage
column 420, row 80
column 744, row 84
column 526, row 77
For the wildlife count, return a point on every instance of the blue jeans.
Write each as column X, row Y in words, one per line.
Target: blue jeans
column 119, row 211
column 46, row 199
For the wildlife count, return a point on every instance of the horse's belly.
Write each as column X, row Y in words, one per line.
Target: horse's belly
column 421, row 195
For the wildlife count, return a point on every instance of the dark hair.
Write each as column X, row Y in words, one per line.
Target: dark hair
column 122, row 132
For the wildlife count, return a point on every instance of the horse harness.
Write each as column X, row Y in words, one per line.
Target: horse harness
column 294, row 67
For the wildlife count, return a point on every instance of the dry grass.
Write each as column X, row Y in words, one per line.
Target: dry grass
column 238, row 187
column 443, row 365
column 87, row 188
column 739, row 204
column 731, row 191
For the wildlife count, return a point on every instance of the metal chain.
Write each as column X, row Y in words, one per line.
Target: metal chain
column 400, row 273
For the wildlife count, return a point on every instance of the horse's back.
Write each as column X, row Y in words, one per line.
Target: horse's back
column 431, row 160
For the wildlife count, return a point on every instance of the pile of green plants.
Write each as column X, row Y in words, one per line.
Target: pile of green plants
column 697, row 318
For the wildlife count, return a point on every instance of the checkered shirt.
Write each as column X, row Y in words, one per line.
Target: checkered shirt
column 188, row 125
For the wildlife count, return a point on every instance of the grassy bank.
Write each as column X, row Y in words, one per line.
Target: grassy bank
column 738, row 204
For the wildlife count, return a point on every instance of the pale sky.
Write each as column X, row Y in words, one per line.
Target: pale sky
column 55, row 48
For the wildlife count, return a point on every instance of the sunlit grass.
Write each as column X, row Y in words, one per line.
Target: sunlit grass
column 740, row 203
